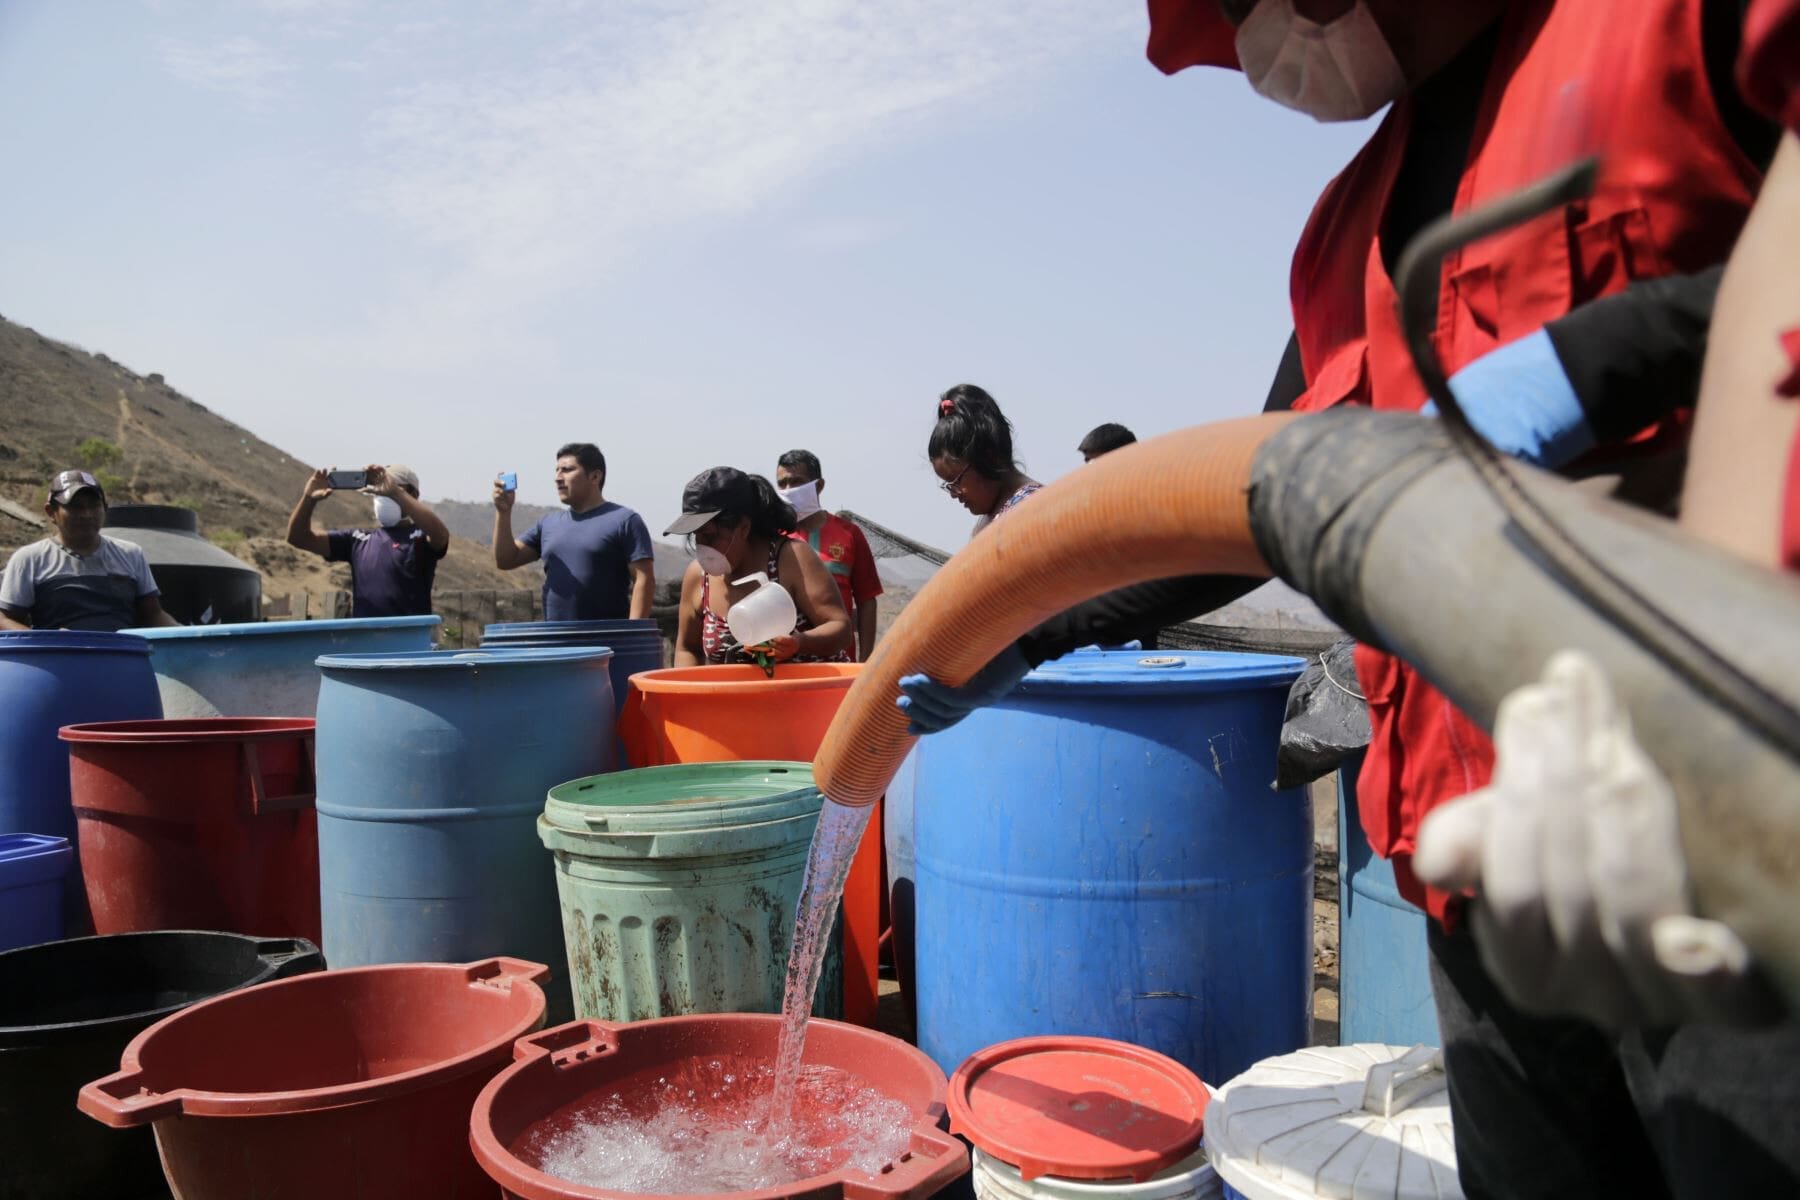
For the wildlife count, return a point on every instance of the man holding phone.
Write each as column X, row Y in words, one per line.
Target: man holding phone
column 392, row 567
column 598, row 561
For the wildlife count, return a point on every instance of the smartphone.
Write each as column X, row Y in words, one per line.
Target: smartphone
column 348, row 479
column 509, row 481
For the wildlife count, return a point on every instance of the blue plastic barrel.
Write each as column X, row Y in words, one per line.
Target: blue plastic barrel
column 48, row 679
column 265, row 669
column 897, row 842
column 32, row 868
column 432, row 770
column 1102, row 853
column 1384, row 978
column 637, row 644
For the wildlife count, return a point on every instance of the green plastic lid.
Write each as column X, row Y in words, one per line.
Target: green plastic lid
column 623, row 808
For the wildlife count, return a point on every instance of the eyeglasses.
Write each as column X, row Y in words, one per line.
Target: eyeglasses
column 951, row 486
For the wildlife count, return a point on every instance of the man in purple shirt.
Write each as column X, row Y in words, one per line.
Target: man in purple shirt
column 392, row 567
column 598, row 562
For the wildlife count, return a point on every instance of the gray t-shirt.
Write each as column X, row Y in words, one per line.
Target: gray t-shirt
column 64, row 590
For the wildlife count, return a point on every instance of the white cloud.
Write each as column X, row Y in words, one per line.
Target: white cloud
column 239, row 65
column 524, row 147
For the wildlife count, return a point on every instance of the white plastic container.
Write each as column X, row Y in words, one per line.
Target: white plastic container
column 1190, row 1179
column 764, row 615
column 1339, row 1121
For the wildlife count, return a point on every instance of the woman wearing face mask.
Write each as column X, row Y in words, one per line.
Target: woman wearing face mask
column 392, row 567
column 971, row 450
column 738, row 525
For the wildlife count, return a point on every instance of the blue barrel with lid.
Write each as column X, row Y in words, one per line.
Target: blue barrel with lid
column 432, row 770
column 1102, row 854
column 50, row 678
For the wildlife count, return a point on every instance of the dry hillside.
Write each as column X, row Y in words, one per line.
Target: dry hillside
column 61, row 406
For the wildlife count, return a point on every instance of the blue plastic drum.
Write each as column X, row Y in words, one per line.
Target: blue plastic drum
column 1102, row 853
column 432, row 771
column 265, row 668
column 1384, row 977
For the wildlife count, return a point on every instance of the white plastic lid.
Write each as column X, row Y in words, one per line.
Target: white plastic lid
column 1340, row 1121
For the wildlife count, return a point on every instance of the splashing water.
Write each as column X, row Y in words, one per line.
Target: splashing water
column 834, row 844
column 700, row 1126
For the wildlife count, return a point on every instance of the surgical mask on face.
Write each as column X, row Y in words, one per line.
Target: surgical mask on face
column 712, row 561
column 1342, row 70
column 804, row 498
column 387, row 511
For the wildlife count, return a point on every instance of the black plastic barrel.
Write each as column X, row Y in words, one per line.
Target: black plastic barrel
column 200, row 583
column 67, row 1010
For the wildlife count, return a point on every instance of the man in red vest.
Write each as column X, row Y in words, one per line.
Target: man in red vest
column 1574, row 340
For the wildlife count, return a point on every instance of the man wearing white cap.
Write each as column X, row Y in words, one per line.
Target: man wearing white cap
column 78, row 578
column 391, row 567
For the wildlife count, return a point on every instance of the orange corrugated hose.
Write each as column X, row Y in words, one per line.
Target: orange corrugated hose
column 1175, row 505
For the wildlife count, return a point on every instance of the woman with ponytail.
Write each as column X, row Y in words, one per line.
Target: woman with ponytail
column 737, row 525
column 971, row 450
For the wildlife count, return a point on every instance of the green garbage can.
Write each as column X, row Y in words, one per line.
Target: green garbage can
column 678, row 886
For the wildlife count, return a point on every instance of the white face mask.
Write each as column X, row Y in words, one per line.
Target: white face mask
column 712, row 561
column 1340, row 71
column 387, row 511
column 804, row 498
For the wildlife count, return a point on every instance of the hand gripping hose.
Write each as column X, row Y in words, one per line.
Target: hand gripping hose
column 1174, row 505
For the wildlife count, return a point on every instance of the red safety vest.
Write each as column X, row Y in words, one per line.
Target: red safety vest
column 1623, row 77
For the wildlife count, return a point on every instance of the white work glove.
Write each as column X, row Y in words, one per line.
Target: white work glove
column 1574, row 851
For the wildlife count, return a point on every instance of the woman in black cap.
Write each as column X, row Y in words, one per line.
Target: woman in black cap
column 737, row 524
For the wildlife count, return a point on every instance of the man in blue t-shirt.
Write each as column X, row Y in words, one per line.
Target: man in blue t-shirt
column 392, row 567
column 598, row 564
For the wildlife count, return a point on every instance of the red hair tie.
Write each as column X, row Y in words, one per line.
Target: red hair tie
column 946, row 406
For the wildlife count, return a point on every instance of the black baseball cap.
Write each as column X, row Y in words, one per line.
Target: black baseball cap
column 68, row 483
column 713, row 491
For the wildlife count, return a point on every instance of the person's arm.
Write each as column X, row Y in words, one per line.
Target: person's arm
column 866, row 620
column 641, row 558
column 865, row 586
column 300, row 532
column 816, row 596
column 18, row 592
column 15, row 620
column 508, row 552
column 437, row 534
column 150, row 614
column 1745, row 429
column 689, row 649
column 643, row 587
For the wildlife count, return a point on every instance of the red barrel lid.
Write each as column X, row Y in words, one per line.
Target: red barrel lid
column 1078, row 1107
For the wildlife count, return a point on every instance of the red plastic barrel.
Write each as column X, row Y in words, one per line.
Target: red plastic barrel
column 560, row 1066
column 198, row 824
column 351, row 1084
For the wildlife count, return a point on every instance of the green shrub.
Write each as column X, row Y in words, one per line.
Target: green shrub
column 96, row 453
column 228, row 540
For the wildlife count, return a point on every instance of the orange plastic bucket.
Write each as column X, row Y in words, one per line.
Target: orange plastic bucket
column 735, row 714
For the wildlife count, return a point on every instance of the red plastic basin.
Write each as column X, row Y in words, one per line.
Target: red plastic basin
column 560, row 1066
column 197, row 824
column 352, row 1084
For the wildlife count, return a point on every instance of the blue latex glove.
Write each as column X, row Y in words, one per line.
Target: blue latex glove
column 933, row 707
column 1520, row 399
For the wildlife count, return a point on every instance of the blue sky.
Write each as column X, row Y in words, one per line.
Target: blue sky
column 458, row 234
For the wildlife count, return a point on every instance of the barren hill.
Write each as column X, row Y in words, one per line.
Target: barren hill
column 61, row 406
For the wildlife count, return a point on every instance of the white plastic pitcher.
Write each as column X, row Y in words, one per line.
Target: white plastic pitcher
column 764, row 615
column 1190, row 1179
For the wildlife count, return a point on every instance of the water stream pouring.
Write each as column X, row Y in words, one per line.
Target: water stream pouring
column 764, row 615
